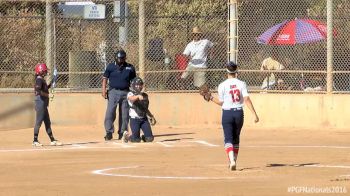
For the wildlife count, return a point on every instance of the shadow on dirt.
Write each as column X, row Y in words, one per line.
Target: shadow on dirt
column 172, row 134
column 249, row 169
column 290, row 165
column 174, row 139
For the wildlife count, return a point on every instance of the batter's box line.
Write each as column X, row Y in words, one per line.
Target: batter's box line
column 202, row 142
column 79, row 146
column 165, row 145
column 115, row 145
column 124, row 145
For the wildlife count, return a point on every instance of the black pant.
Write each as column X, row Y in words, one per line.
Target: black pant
column 137, row 124
column 42, row 114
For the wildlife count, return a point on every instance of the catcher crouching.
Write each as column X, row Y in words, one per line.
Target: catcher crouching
column 140, row 116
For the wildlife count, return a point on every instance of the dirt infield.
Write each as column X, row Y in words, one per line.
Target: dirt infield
column 181, row 161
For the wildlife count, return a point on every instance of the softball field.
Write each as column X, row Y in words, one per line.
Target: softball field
column 181, row 161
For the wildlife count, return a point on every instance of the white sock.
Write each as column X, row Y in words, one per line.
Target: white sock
column 231, row 156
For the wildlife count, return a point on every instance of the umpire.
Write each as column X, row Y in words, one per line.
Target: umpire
column 119, row 74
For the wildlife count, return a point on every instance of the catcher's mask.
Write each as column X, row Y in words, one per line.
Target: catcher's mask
column 137, row 85
column 231, row 67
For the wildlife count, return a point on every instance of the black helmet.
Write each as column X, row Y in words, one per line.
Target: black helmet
column 137, row 85
column 120, row 54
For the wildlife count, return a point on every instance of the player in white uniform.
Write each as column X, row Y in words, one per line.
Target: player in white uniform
column 232, row 95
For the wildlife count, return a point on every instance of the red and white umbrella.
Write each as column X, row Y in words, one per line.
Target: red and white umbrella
column 291, row 32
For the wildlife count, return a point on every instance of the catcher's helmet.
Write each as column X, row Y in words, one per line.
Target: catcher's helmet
column 40, row 69
column 137, row 85
column 120, row 54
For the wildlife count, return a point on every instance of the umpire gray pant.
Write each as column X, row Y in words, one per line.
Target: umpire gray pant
column 115, row 98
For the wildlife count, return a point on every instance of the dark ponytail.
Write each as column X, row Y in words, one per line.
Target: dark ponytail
column 231, row 67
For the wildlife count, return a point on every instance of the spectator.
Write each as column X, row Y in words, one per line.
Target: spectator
column 271, row 80
column 197, row 50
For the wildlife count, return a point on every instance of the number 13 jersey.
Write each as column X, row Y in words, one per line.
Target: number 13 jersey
column 231, row 93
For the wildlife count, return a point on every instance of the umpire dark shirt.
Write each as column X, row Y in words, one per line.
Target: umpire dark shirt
column 120, row 76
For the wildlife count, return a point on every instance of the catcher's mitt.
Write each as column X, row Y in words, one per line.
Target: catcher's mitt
column 205, row 92
column 152, row 120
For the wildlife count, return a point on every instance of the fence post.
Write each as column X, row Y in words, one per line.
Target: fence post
column 110, row 35
column 329, row 46
column 142, row 39
column 48, row 36
column 232, row 30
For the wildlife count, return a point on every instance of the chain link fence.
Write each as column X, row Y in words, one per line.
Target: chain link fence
column 85, row 37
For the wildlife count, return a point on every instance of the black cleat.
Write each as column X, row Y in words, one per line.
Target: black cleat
column 120, row 135
column 143, row 138
column 108, row 137
column 147, row 139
